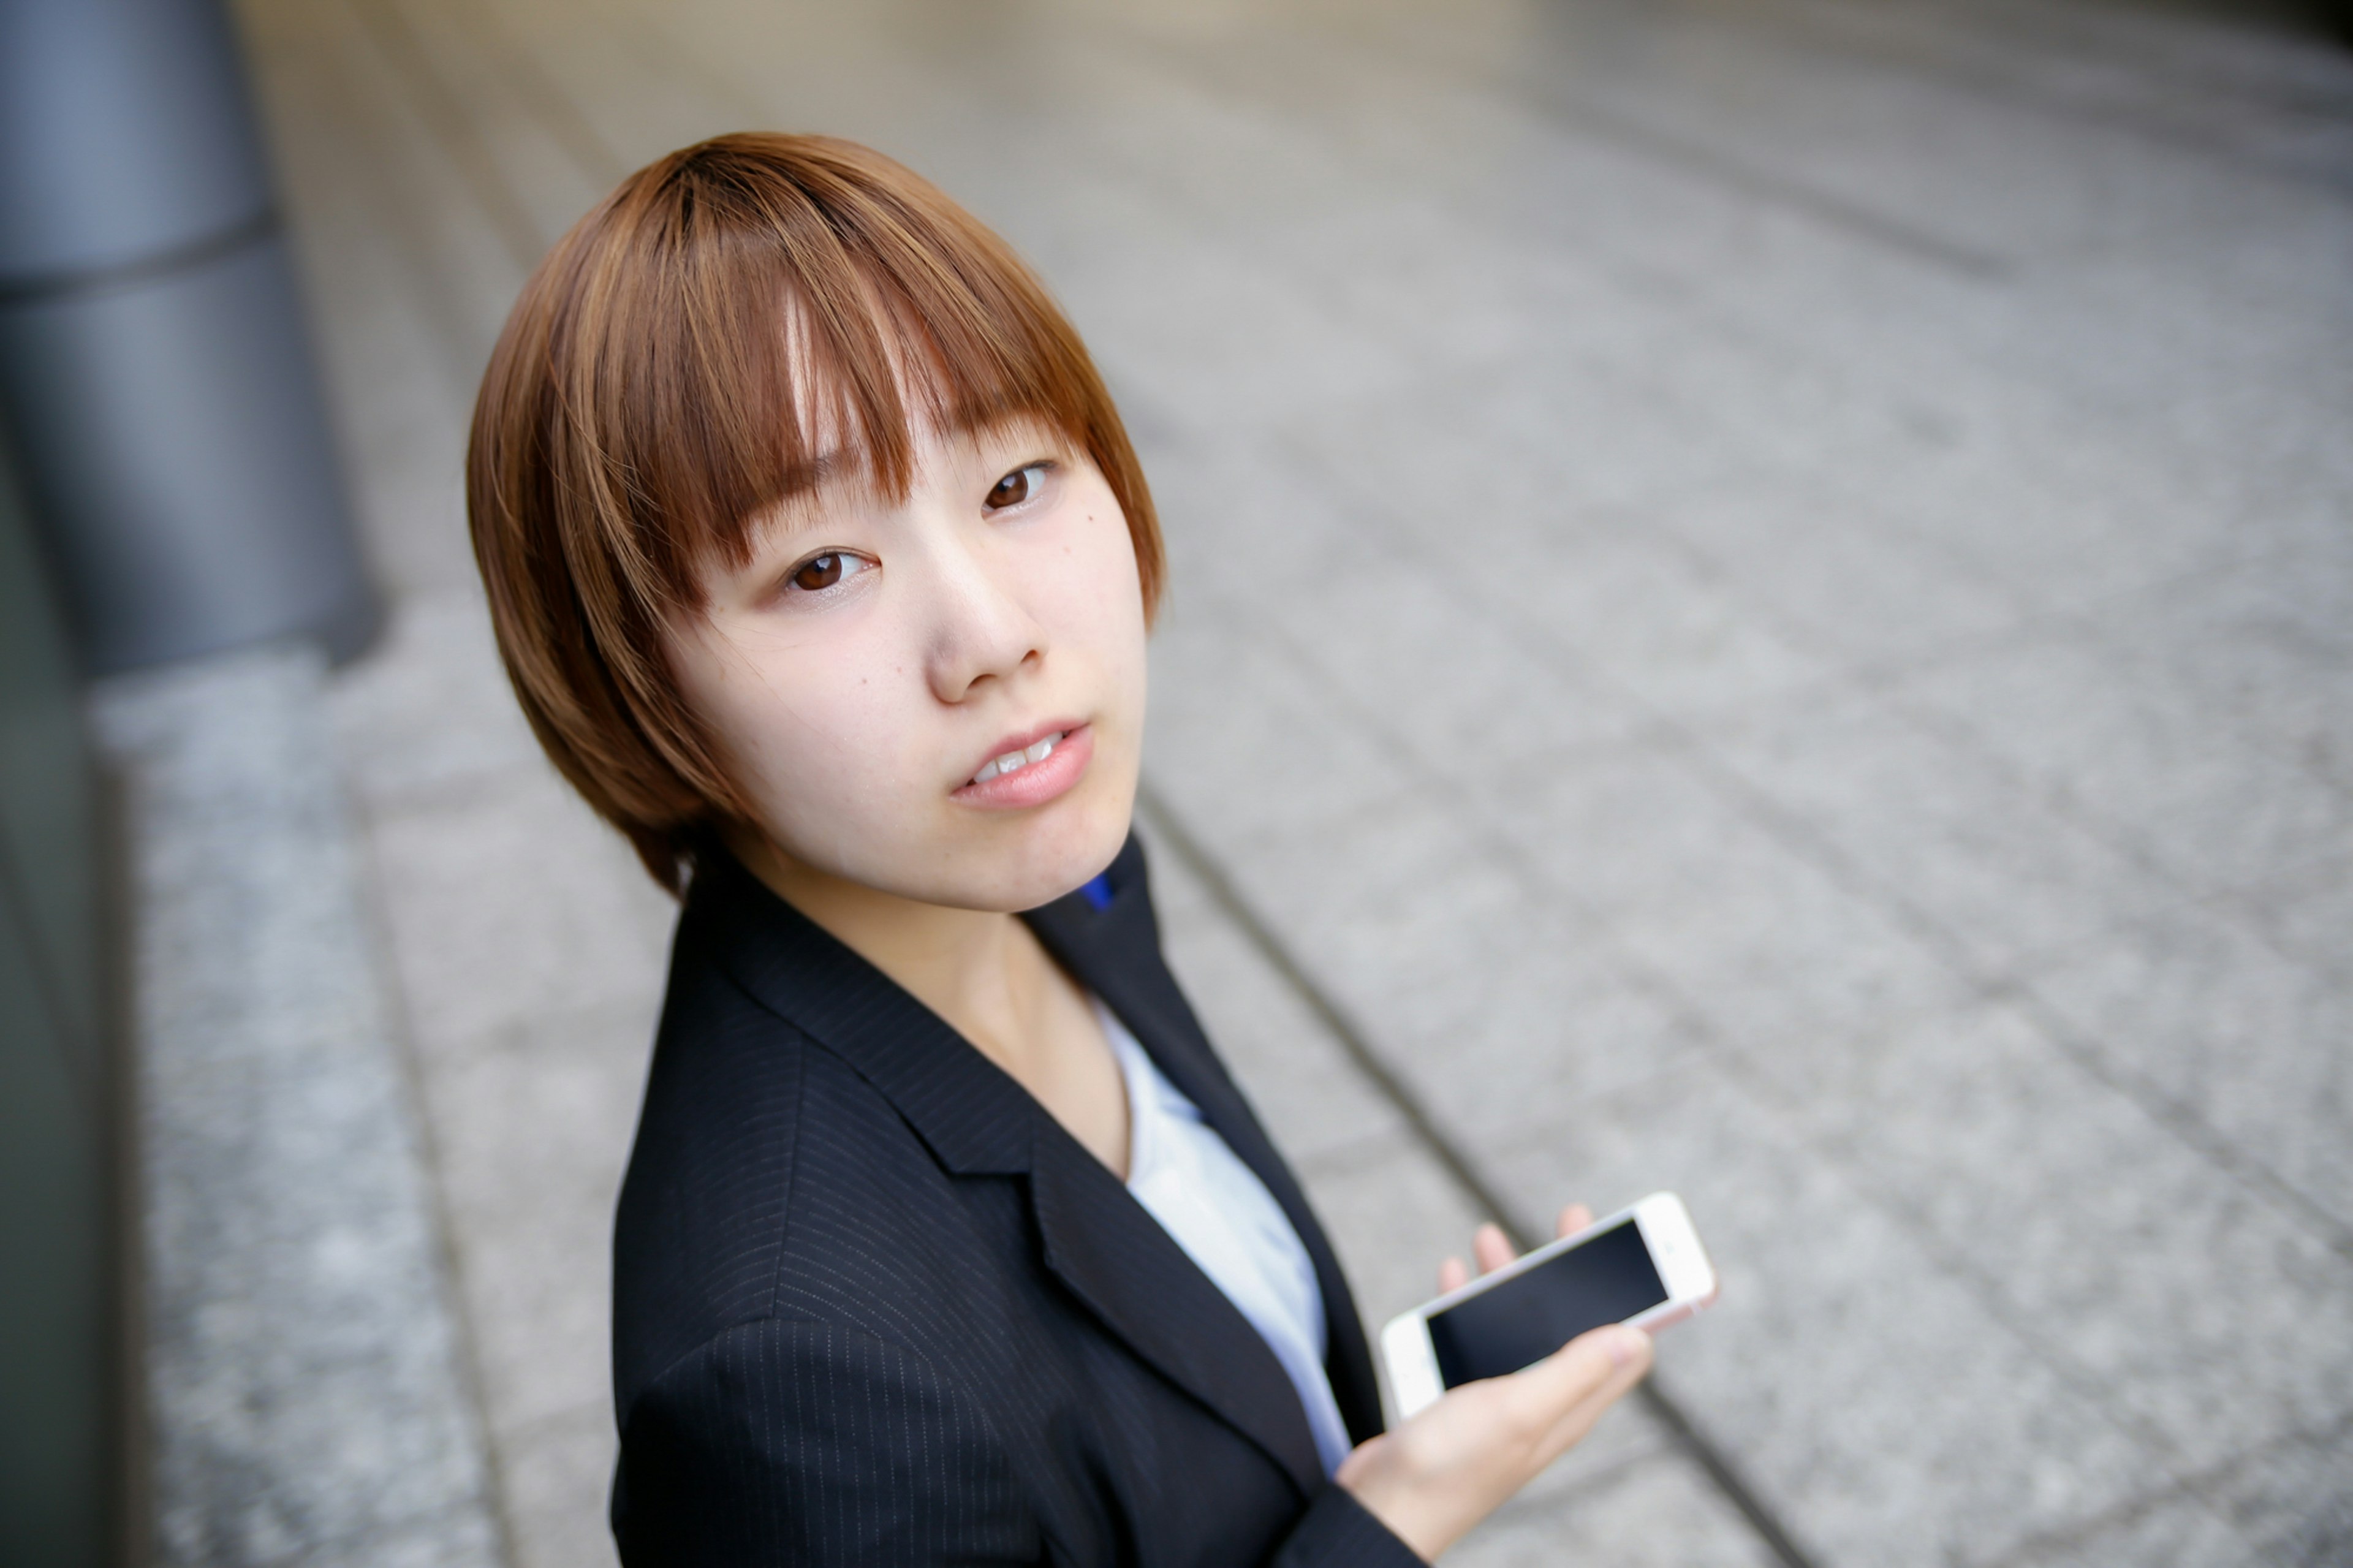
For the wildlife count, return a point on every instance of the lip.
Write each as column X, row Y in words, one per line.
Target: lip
column 1039, row 782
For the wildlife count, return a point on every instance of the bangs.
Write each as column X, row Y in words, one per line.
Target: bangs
column 772, row 324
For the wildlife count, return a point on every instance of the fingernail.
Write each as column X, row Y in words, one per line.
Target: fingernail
column 1626, row 1344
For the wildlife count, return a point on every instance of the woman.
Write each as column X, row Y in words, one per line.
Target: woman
column 822, row 565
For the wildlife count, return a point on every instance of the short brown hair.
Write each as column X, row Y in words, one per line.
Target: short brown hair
column 639, row 414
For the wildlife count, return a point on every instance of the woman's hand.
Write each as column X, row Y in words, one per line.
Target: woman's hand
column 1453, row 1464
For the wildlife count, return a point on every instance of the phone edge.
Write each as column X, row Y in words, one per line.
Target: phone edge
column 1666, row 1314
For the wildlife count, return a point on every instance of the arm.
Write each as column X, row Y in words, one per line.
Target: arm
column 796, row 1441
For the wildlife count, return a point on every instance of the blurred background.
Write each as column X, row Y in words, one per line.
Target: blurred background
column 1762, row 605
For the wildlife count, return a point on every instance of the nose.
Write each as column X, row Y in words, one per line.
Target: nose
column 980, row 630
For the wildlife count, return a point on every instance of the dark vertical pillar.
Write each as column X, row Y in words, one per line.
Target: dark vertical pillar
column 58, row 1218
column 153, row 367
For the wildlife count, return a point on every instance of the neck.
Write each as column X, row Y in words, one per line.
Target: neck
column 980, row 970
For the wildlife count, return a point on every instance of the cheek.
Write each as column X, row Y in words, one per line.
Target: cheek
column 812, row 730
column 1096, row 597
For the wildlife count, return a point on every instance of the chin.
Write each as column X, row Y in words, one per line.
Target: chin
column 1046, row 860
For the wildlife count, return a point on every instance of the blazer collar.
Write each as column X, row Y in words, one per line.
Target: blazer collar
column 1115, row 950
column 977, row 1120
column 974, row 1119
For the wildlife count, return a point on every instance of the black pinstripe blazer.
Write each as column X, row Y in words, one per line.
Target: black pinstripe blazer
column 872, row 1304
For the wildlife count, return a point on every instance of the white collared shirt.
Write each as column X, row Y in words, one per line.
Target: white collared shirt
column 1217, row 1209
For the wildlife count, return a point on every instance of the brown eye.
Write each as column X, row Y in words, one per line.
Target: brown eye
column 819, row 572
column 1020, row 485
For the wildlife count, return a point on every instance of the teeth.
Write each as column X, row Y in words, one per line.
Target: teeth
column 1014, row 762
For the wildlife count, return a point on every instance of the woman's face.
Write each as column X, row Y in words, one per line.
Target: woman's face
column 940, row 698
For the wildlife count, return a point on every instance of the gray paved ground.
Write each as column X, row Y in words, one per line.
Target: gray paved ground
column 306, row 1402
column 1763, row 604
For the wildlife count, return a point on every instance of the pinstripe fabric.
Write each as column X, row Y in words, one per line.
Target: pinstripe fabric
column 873, row 1305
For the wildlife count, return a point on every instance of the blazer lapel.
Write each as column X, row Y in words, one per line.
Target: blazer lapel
column 1097, row 1239
column 975, row 1118
column 1115, row 1258
column 1114, row 949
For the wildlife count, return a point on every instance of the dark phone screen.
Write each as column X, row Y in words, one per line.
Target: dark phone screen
column 1605, row 1280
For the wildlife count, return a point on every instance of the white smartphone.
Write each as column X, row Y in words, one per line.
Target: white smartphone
column 1642, row 1265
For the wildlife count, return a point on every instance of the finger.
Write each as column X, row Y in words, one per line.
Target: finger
column 1361, row 1458
column 1572, row 1424
column 1586, row 1367
column 1573, row 1219
column 1452, row 1276
column 1491, row 1247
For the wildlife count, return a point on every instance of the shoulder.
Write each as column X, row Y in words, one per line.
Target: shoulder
column 747, row 1127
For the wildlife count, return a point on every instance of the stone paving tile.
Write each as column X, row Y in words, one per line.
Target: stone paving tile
column 1426, row 666
column 2141, row 755
column 2065, row 520
column 1650, row 1511
column 2248, row 1042
column 1214, row 322
column 407, row 163
column 2184, row 248
column 1311, row 1098
column 1633, row 828
column 2311, row 917
column 1386, row 905
column 1860, row 588
column 2189, row 1304
column 1760, row 98
column 1498, row 1008
column 2176, row 69
column 1863, row 1332
column 1521, row 447
column 402, row 449
column 431, row 1540
column 2296, row 1500
column 428, row 716
column 399, row 365
column 302, row 1379
column 1593, row 177
column 1751, row 935
column 2268, row 646
column 511, row 904
column 1486, row 313
column 1242, row 522
column 2179, row 1531
column 557, row 1475
column 1282, row 760
column 1622, row 597
column 1554, row 1023
column 1937, row 827
column 550, row 158
column 531, row 1133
